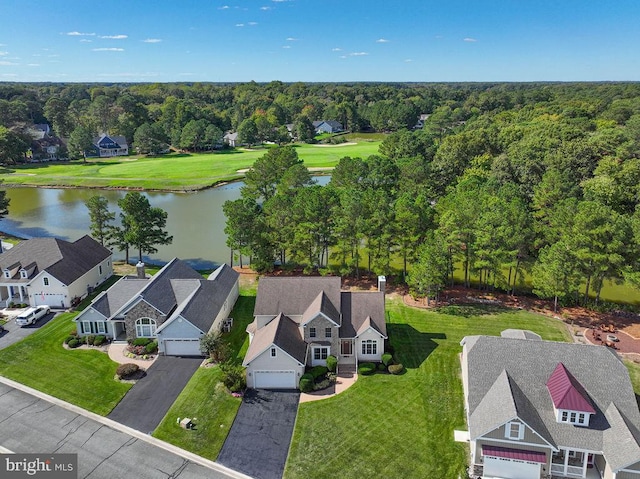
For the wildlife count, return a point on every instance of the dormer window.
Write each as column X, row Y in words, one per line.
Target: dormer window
column 23, row 273
column 514, row 431
column 574, row 417
column 7, row 273
column 571, row 402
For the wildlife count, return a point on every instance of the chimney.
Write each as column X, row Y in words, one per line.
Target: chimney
column 382, row 284
column 140, row 270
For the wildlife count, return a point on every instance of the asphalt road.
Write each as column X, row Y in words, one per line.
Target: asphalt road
column 147, row 402
column 15, row 333
column 32, row 425
column 258, row 442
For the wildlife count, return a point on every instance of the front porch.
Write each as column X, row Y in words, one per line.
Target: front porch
column 14, row 293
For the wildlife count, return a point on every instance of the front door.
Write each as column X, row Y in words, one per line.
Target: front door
column 346, row 348
column 319, row 355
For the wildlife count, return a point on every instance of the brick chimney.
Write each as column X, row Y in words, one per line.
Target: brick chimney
column 140, row 270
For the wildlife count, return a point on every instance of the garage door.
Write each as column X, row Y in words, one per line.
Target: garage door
column 275, row 379
column 510, row 468
column 53, row 300
column 182, row 347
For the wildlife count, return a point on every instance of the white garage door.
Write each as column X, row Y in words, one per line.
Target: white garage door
column 53, row 300
column 275, row 379
column 510, row 468
column 182, row 347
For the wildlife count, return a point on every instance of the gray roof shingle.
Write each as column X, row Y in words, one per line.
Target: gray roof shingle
column 362, row 308
column 118, row 295
column 283, row 332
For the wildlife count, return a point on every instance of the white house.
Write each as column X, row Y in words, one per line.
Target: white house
column 539, row 409
column 52, row 271
column 106, row 146
column 300, row 321
column 176, row 306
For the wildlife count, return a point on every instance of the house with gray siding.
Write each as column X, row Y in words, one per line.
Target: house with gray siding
column 543, row 409
column 176, row 306
column 301, row 321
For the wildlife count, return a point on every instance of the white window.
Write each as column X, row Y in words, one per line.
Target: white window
column 327, row 332
column 7, row 274
column 145, row 328
column 312, row 332
column 45, row 281
column 23, row 273
column 574, row 417
column 320, row 353
column 369, row 347
column 273, row 352
column 93, row 327
column 514, row 431
column 565, row 416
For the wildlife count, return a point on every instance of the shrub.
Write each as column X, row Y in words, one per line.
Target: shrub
column 74, row 343
column 233, row 377
column 387, row 359
column 90, row 339
column 73, row 332
column 396, row 368
column 126, row 370
column 366, row 369
column 136, row 350
column 69, row 338
column 381, row 367
column 332, row 363
column 141, row 341
column 99, row 340
column 325, row 383
column 151, row 348
column 306, row 384
column 318, row 371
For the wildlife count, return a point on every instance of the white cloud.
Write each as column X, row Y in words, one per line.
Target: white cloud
column 343, row 56
column 114, row 37
column 85, row 40
column 252, row 24
column 5, row 63
column 358, row 54
column 108, row 49
column 336, row 49
column 33, row 64
column 265, row 8
column 239, row 24
column 408, row 60
column 286, row 46
column 152, row 40
column 3, row 54
column 224, row 7
column 9, row 75
column 291, row 39
column 382, row 40
column 469, row 40
column 53, row 56
column 79, row 34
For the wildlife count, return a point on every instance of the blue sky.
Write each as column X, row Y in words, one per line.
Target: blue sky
column 320, row 40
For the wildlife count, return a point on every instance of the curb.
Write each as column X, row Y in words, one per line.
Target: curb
column 126, row 430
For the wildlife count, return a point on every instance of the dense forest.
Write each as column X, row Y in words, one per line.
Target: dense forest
column 502, row 180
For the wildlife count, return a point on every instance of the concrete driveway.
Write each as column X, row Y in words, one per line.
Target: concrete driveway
column 15, row 333
column 258, row 443
column 30, row 423
column 147, row 402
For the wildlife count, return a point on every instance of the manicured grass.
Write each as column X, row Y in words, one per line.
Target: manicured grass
column 81, row 377
column 402, row 426
column 170, row 172
column 206, row 399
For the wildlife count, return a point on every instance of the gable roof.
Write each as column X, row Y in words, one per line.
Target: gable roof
column 292, row 295
column 566, row 392
column 323, row 305
column 110, row 301
column 361, row 310
column 63, row 260
column 282, row 332
column 109, row 142
column 528, row 366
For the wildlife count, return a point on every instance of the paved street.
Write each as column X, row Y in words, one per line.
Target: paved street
column 15, row 333
column 105, row 450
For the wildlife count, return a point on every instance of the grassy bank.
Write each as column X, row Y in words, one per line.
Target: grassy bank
column 173, row 172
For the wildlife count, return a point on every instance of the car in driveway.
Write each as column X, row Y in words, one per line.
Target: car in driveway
column 32, row 315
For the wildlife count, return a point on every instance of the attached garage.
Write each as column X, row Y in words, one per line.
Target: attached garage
column 182, row 347
column 510, row 463
column 53, row 300
column 275, row 380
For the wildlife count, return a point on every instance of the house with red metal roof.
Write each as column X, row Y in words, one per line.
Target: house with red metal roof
column 542, row 409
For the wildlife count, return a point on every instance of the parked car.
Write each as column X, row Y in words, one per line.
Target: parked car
column 32, row 315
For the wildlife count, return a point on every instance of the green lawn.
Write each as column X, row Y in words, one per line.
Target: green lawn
column 402, row 426
column 170, row 172
column 81, row 377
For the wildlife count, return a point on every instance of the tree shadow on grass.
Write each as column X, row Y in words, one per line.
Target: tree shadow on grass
column 411, row 346
column 468, row 310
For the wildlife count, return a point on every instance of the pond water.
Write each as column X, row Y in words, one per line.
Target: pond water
column 195, row 220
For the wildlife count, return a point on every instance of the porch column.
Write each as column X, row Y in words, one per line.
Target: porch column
column 20, row 293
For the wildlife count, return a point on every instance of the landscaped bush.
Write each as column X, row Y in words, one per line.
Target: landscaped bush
column 332, row 363
column 381, row 367
column 325, row 383
column 90, row 339
column 396, row 368
column 137, row 350
column 141, row 341
column 69, row 338
column 306, row 383
column 151, row 348
column 74, row 343
column 366, row 369
column 318, row 371
column 73, row 332
column 126, row 370
column 99, row 340
column 387, row 359
column 233, row 377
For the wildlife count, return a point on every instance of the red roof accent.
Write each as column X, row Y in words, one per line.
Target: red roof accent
column 566, row 392
column 519, row 454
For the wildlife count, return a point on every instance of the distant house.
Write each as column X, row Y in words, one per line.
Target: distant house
column 300, row 321
column 39, row 131
column 45, row 146
column 231, row 139
column 420, row 123
column 52, row 271
column 540, row 409
column 176, row 306
column 327, row 126
column 106, row 146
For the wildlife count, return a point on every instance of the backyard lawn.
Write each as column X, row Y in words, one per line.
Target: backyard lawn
column 402, row 426
column 173, row 171
column 81, row 377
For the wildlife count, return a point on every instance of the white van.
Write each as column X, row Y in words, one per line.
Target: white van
column 32, row 315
